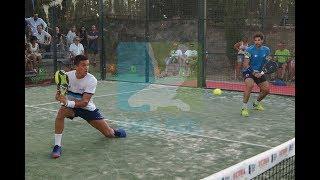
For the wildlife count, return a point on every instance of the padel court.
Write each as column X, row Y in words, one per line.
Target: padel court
column 172, row 132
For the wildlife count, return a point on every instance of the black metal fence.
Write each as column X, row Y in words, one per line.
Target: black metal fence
column 136, row 37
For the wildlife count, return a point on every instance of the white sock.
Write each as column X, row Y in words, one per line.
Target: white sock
column 244, row 106
column 57, row 139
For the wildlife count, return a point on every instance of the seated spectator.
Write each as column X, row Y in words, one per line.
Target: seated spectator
column 282, row 56
column 44, row 39
column 33, row 53
column 76, row 48
column 28, row 33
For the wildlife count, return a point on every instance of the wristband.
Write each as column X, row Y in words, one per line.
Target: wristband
column 70, row 104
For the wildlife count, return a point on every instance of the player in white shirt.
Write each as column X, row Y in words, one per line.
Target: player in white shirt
column 78, row 103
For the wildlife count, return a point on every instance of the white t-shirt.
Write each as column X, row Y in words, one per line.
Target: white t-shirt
column 34, row 49
column 176, row 53
column 42, row 36
column 242, row 48
column 191, row 53
column 76, row 49
column 77, row 87
column 70, row 37
column 33, row 24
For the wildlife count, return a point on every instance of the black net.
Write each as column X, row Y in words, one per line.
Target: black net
column 283, row 170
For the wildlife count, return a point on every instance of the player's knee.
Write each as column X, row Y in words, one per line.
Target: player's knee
column 249, row 86
column 266, row 90
column 62, row 113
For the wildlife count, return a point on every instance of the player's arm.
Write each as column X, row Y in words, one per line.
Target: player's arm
column 75, row 103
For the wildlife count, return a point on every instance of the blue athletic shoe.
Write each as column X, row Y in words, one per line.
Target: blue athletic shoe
column 121, row 133
column 56, row 152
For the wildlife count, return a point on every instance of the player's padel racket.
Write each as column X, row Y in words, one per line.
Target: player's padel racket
column 62, row 81
column 270, row 67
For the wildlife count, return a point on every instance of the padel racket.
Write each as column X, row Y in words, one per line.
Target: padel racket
column 270, row 67
column 62, row 81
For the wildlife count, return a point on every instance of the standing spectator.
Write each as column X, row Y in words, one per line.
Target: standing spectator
column 93, row 36
column 71, row 35
column 34, row 21
column 292, row 69
column 282, row 56
column 34, row 53
column 123, row 35
column 44, row 38
column 191, row 59
column 240, row 47
column 84, row 39
column 58, row 37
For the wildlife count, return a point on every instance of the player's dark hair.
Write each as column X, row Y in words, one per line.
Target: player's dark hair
column 258, row 34
column 79, row 58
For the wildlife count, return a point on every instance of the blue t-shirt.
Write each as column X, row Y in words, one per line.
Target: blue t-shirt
column 257, row 56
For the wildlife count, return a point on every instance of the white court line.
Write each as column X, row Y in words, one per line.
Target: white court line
column 55, row 102
column 178, row 132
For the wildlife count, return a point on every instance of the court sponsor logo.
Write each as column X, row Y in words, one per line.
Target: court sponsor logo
column 273, row 157
column 226, row 178
column 283, row 152
column 291, row 147
column 252, row 168
column 240, row 173
column 264, row 162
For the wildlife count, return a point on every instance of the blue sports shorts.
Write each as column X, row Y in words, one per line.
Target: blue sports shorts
column 87, row 115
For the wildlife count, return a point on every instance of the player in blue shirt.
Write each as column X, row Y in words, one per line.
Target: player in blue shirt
column 255, row 57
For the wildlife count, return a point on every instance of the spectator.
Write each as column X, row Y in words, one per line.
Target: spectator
column 240, row 47
column 282, row 56
column 76, row 48
column 83, row 38
column 93, row 36
column 28, row 63
column 292, row 69
column 191, row 59
column 123, row 35
column 28, row 33
column 34, row 21
column 71, row 35
column 33, row 53
column 284, row 19
column 44, row 38
column 58, row 37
